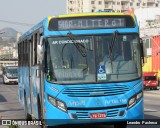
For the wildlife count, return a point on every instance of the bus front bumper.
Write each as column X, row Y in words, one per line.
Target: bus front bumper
column 55, row 116
column 9, row 81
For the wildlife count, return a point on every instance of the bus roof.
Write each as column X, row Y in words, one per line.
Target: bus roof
column 92, row 14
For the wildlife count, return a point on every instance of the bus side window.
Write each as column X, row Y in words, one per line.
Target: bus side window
column 35, row 49
column 32, row 51
column 2, row 71
column 23, row 53
column 28, row 51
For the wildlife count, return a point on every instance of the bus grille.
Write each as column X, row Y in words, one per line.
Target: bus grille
column 112, row 113
column 85, row 115
column 82, row 115
column 106, row 90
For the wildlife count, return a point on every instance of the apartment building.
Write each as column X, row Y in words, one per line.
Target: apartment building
column 76, row 6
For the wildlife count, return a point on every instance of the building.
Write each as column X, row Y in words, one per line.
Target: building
column 148, row 16
column 149, row 21
column 18, row 35
column 15, row 53
column 76, row 6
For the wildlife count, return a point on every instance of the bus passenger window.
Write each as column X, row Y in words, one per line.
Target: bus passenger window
column 35, row 49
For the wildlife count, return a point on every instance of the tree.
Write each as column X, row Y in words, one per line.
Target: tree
column 12, row 39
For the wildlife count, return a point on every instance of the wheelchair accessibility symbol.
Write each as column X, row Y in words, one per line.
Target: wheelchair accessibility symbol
column 101, row 69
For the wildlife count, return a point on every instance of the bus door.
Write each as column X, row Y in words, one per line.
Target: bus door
column 20, row 81
column 35, row 79
column 30, row 71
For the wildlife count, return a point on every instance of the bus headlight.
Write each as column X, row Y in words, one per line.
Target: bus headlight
column 139, row 96
column 133, row 100
column 52, row 100
column 57, row 103
column 61, row 105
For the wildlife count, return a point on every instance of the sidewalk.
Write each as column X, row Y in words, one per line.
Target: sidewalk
column 148, row 91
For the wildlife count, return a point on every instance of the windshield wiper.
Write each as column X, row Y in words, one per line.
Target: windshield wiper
column 111, row 47
column 81, row 48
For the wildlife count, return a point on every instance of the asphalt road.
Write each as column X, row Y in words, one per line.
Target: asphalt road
column 11, row 109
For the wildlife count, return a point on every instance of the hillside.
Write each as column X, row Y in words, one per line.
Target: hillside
column 8, row 36
column 8, row 32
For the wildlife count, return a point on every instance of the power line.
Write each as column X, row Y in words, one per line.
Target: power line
column 16, row 23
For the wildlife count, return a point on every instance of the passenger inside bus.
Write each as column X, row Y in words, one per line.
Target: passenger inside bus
column 121, row 52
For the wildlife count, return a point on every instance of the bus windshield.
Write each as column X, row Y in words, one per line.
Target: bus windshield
column 104, row 61
column 150, row 78
column 12, row 72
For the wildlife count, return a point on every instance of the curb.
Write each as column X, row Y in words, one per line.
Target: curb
column 152, row 92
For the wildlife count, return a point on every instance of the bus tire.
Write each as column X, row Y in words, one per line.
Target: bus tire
column 39, row 108
column 4, row 81
column 155, row 88
column 27, row 115
column 40, row 112
column 120, row 125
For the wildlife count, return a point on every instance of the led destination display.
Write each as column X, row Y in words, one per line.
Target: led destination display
column 90, row 23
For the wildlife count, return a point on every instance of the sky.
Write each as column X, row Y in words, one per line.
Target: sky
column 28, row 12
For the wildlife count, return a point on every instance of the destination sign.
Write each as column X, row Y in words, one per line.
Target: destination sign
column 90, row 23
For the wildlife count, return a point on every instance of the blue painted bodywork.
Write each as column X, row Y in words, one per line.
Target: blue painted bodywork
column 88, row 105
column 111, row 105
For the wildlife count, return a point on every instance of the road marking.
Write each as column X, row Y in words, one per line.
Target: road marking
column 151, row 110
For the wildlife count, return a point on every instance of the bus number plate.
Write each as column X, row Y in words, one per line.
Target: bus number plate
column 98, row 115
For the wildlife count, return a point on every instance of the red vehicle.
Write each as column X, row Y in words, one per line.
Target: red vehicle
column 150, row 80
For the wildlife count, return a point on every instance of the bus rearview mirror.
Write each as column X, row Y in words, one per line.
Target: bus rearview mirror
column 40, row 50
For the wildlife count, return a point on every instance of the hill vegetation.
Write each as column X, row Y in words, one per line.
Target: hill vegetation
column 7, row 36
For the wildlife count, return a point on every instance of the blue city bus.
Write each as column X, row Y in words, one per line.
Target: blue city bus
column 86, row 68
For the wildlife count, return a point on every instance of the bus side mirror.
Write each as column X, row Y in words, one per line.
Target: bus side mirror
column 141, row 50
column 40, row 50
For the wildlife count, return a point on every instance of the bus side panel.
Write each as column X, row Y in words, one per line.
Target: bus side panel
column 27, row 89
column 35, row 89
column 23, row 86
column 20, row 87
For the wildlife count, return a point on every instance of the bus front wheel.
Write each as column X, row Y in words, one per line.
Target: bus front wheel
column 4, row 81
column 27, row 116
column 120, row 125
column 39, row 108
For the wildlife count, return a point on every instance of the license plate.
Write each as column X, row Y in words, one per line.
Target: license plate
column 98, row 115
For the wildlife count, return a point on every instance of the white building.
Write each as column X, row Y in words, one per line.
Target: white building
column 147, row 16
column 76, row 6
column 18, row 35
column 149, row 21
column 15, row 53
